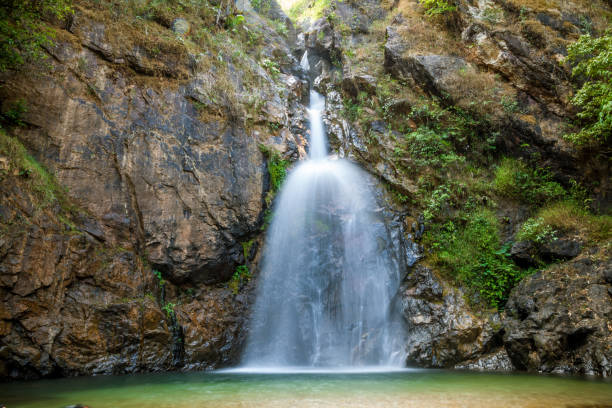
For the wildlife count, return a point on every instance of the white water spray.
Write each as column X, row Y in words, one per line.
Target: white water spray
column 325, row 290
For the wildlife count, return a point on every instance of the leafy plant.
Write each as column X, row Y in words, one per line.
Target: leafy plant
column 430, row 148
column 536, row 230
column 493, row 15
column 439, row 198
column 468, row 249
column 277, row 167
column 240, row 276
column 592, row 59
column 436, row 7
column 159, row 277
column 232, row 22
column 280, row 27
column 514, row 179
column 14, row 114
column 23, row 34
column 271, row 67
column 169, row 309
column 261, row 6
column 510, row 104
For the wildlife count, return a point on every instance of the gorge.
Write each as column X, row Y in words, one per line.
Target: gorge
column 194, row 185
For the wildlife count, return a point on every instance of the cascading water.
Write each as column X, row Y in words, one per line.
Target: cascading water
column 325, row 291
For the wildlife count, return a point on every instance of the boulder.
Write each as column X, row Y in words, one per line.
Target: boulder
column 354, row 84
column 557, row 320
column 523, row 253
column 560, row 249
column 441, row 329
column 436, row 75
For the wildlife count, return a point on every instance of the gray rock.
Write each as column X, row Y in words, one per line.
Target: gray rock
column 435, row 74
column 495, row 361
column 522, row 252
column 441, row 329
column 557, row 320
column 560, row 249
column 354, row 84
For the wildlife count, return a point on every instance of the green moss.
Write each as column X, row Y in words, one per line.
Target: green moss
column 567, row 216
column 23, row 33
column 515, row 179
column 42, row 183
column 241, row 276
column 277, row 167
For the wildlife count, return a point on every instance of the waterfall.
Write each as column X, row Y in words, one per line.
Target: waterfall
column 326, row 288
column 304, row 62
column 318, row 140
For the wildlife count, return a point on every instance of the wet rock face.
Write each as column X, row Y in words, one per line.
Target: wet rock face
column 145, row 160
column 164, row 182
column 442, row 332
column 188, row 191
column 71, row 305
column 558, row 320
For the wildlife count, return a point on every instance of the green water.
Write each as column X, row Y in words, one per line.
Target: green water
column 419, row 388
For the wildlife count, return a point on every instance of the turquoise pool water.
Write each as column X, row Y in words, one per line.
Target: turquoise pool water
column 410, row 388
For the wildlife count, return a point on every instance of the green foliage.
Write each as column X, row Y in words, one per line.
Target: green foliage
column 430, row 148
column 493, row 15
column 280, row 27
column 14, row 114
column 309, row 9
column 159, row 277
column 23, row 32
column 261, row 6
column 169, row 309
column 233, row 22
column 514, row 179
column 40, row 180
column 440, row 198
column 567, row 216
column 277, row 167
column 241, row 275
column 468, row 249
column 536, row 230
column 271, row 67
column 592, row 59
column 353, row 109
column 436, row 7
column 510, row 105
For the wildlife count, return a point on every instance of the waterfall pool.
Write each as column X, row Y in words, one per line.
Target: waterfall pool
column 407, row 388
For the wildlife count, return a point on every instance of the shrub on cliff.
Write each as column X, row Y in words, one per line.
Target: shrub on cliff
column 515, row 179
column 22, row 31
column 468, row 248
column 435, row 7
column 592, row 60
